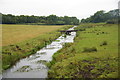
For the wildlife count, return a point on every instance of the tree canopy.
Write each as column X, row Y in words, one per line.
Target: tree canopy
column 102, row 16
column 51, row 19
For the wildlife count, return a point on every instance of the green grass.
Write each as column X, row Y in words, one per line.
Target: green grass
column 94, row 54
column 13, row 52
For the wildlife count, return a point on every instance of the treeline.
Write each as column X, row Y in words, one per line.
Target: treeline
column 102, row 16
column 51, row 19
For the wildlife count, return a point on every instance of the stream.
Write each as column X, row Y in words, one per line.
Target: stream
column 34, row 65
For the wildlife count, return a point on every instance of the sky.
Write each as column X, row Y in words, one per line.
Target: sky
column 78, row 8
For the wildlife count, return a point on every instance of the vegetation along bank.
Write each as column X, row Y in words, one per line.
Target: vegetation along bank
column 20, row 47
column 94, row 54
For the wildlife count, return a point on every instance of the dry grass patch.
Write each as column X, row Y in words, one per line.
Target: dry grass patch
column 12, row 34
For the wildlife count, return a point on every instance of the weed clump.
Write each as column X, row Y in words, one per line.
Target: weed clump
column 93, row 49
column 82, row 29
column 8, row 53
column 104, row 43
column 97, row 33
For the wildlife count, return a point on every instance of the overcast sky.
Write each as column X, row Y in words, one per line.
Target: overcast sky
column 78, row 8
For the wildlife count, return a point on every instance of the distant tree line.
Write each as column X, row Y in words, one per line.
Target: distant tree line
column 102, row 16
column 51, row 19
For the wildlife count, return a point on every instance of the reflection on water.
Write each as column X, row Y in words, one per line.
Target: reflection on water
column 34, row 65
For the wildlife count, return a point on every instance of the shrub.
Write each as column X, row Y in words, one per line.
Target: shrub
column 82, row 29
column 112, row 21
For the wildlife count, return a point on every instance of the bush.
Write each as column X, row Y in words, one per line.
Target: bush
column 114, row 21
column 82, row 29
column 93, row 49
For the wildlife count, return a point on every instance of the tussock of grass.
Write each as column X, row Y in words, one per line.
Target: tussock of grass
column 96, row 61
column 104, row 43
column 93, row 49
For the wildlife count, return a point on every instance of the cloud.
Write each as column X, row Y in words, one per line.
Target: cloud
column 78, row 8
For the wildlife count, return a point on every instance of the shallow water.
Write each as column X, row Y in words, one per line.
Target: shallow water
column 34, row 65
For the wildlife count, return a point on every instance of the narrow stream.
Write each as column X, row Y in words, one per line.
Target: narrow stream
column 34, row 65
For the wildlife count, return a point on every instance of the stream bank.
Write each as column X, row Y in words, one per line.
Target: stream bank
column 34, row 66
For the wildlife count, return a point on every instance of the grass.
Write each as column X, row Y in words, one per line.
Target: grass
column 94, row 54
column 17, row 33
column 20, row 46
column 0, row 49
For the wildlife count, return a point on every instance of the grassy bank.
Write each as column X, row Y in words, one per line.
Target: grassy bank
column 94, row 54
column 20, row 47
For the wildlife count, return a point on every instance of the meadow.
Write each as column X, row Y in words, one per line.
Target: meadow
column 12, row 34
column 20, row 41
column 94, row 54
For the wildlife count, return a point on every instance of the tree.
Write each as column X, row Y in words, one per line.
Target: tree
column 101, row 16
column 51, row 19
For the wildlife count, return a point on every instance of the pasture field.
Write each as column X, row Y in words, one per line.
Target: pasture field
column 94, row 54
column 12, row 34
column 20, row 41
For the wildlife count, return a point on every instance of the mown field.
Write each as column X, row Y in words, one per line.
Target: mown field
column 20, row 41
column 12, row 34
column 94, row 54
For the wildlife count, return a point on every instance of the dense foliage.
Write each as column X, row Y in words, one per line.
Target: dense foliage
column 51, row 19
column 102, row 16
